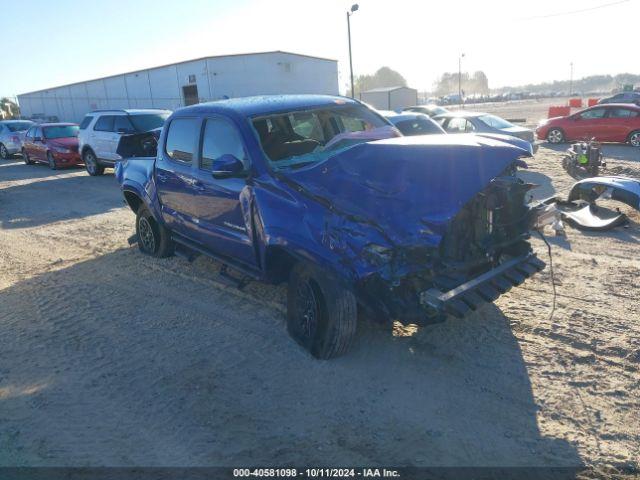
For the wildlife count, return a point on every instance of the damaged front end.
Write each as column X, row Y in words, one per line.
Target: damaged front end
column 483, row 253
column 423, row 227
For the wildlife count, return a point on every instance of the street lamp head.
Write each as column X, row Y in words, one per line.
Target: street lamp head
column 462, row 54
column 354, row 7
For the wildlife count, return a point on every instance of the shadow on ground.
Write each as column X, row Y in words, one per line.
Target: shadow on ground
column 57, row 194
column 127, row 360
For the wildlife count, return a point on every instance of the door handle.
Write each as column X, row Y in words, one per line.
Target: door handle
column 162, row 178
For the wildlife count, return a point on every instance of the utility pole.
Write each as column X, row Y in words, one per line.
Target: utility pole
column 460, row 77
column 571, row 80
column 354, row 8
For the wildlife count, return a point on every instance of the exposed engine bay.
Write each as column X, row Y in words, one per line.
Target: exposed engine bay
column 483, row 253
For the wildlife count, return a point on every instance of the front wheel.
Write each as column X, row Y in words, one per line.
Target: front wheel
column 555, row 136
column 153, row 239
column 91, row 164
column 321, row 313
column 634, row 138
column 4, row 153
column 26, row 158
column 51, row 161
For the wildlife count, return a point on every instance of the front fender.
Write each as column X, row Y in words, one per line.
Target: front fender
column 297, row 228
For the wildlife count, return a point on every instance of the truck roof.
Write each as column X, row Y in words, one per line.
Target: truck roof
column 265, row 104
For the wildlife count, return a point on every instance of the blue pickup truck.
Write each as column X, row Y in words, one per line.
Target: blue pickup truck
column 324, row 193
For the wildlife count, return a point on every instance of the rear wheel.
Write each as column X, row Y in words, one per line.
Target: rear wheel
column 321, row 313
column 26, row 158
column 91, row 164
column 634, row 138
column 51, row 161
column 4, row 153
column 153, row 238
column 555, row 135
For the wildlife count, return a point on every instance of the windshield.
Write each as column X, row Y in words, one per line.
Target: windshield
column 418, row 126
column 19, row 126
column 495, row 122
column 60, row 131
column 298, row 138
column 148, row 121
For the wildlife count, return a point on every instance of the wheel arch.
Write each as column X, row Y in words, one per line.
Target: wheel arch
column 133, row 200
column 637, row 130
column 552, row 128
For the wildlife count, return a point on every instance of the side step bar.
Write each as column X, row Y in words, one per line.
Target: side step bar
column 487, row 287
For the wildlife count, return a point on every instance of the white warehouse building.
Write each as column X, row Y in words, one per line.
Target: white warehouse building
column 186, row 83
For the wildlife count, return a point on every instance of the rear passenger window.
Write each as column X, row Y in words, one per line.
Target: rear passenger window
column 221, row 137
column 182, row 138
column 104, row 124
column 85, row 122
column 623, row 113
column 123, row 125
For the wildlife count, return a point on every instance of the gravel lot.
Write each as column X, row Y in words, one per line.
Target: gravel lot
column 111, row 358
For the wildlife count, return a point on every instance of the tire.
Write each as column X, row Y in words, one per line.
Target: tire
column 634, row 138
column 153, row 239
column 4, row 153
column 26, row 158
column 51, row 161
column 91, row 163
column 321, row 313
column 555, row 136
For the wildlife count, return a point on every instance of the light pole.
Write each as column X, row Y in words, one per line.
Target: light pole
column 460, row 77
column 354, row 8
column 571, row 80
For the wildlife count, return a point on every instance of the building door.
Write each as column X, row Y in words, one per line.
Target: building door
column 190, row 95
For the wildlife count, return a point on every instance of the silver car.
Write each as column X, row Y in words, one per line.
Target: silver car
column 12, row 135
column 476, row 122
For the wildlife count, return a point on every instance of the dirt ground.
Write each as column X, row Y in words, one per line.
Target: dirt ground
column 111, row 358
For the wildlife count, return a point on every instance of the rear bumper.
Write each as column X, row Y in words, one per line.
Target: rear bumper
column 484, row 288
column 13, row 148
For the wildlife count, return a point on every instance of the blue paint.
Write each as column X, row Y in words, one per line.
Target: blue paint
column 397, row 193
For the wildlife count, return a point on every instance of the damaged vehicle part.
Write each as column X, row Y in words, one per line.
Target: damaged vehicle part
column 322, row 193
column 580, row 209
column 579, row 214
column 621, row 189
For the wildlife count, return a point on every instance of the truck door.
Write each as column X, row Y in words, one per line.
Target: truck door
column 174, row 173
column 216, row 202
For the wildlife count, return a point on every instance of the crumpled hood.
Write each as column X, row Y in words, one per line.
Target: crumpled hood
column 411, row 187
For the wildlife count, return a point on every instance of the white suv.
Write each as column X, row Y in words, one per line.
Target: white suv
column 100, row 132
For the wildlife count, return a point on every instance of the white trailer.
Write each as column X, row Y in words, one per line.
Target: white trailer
column 185, row 83
column 390, row 98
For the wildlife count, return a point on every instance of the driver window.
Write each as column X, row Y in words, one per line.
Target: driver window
column 221, row 137
column 595, row 113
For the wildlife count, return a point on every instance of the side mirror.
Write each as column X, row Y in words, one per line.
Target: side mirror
column 227, row 166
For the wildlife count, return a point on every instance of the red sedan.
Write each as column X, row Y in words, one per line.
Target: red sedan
column 606, row 123
column 55, row 144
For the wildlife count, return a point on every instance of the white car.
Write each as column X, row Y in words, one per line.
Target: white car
column 100, row 133
column 12, row 135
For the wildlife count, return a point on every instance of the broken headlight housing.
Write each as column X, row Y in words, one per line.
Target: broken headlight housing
column 377, row 255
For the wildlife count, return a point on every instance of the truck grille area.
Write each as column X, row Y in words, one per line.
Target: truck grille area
column 495, row 221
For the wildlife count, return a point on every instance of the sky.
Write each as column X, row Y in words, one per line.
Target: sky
column 513, row 42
